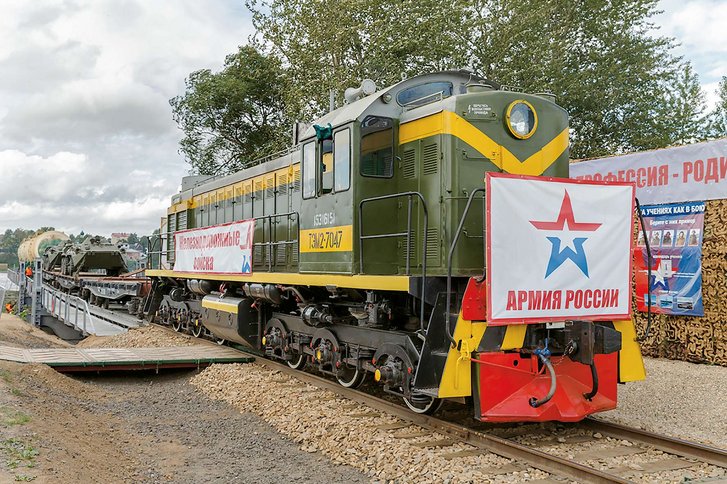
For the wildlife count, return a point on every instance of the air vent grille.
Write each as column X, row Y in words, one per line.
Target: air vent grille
column 408, row 164
column 430, row 159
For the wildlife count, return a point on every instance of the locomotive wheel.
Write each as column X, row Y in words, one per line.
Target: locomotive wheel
column 176, row 323
column 164, row 312
column 297, row 362
column 196, row 329
column 350, row 377
column 424, row 404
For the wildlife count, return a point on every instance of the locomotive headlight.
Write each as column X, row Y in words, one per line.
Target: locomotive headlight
column 521, row 119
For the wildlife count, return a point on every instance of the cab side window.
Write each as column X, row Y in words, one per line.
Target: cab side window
column 342, row 162
column 326, row 165
column 309, row 170
column 377, row 147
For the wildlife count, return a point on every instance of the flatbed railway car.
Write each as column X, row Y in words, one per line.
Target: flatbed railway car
column 97, row 271
column 368, row 254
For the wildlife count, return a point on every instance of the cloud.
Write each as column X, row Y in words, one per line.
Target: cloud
column 87, row 139
column 698, row 27
column 75, row 196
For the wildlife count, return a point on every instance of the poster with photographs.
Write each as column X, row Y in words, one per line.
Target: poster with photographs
column 674, row 233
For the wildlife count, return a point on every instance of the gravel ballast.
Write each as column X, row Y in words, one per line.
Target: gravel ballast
column 347, row 432
column 681, row 399
column 677, row 398
column 143, row 337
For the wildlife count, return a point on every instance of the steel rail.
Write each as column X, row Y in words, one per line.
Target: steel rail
column 672, row 445
column 497, row 445
column 508, row 448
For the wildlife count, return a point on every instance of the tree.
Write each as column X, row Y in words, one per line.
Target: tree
column 78, row 238
column 718, row 116
column 601, row 59
column 324, row 48
column 234, row 116
column 686, row 108
column 10, row 242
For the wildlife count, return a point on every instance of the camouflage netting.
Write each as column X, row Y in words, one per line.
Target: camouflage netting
column 699, row 340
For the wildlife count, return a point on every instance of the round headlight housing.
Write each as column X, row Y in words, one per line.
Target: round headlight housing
column 521, row 119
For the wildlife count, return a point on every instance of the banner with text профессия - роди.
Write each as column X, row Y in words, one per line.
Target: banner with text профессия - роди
column 674, row 232
column 219, row 249
column 681, row 174
column 558, row 249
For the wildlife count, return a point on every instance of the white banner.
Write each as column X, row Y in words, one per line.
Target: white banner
column 220, row 249
column 558, row 249
column 684, row 174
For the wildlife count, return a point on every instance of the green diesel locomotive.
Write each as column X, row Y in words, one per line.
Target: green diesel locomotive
column 367, row 236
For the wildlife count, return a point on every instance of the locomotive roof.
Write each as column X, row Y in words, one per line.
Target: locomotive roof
column 375, row 103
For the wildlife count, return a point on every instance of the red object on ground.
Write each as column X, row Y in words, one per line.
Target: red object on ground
column 506, row 382
column 474, row 301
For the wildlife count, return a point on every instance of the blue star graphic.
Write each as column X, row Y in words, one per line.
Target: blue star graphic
column 658, row 277
column 557, row 256
column 566, row 221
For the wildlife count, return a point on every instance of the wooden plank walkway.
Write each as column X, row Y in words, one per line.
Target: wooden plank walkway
column 104, row 359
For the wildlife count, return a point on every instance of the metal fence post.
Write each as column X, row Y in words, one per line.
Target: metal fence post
column 37, row 282
column 21, row 287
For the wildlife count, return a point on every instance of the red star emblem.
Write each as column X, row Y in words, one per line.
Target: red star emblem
column 565, row 217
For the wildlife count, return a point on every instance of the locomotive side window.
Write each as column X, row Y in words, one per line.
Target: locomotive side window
column 377, row 147
column 342, row 163
column 309, row 170
column 327, row 165
column 424, row 94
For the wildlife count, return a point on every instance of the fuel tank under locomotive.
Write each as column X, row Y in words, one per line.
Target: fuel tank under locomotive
column 232, row 318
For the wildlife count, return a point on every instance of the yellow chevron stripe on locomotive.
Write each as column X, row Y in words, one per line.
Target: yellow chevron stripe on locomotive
column 449, row 123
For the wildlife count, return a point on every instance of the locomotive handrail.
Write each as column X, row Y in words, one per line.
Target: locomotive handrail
column 362, row 237
column 449, row 263
column 252, row 163
column 270, row 242
column 151, row 252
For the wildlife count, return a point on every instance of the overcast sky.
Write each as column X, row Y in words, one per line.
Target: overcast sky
column 87, row 140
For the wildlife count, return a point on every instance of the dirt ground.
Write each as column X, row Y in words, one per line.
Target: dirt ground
column 16, row 332
column 135, row 427
column 142, row 427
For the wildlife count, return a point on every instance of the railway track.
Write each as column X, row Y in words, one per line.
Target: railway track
column 582, row 452
column 569, row 462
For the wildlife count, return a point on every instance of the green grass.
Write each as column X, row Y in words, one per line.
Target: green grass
column 19, row 450
column 9, row 417
column 18, row 419
column 19, row 454
column 5, row 375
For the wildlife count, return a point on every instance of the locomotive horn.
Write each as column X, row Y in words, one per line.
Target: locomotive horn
column 366, row 88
